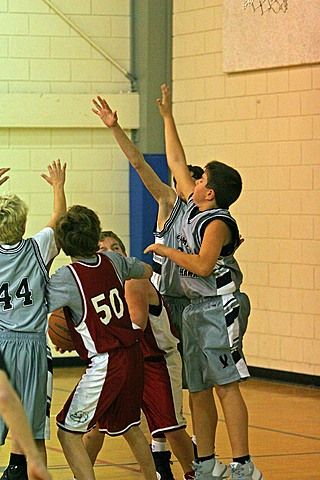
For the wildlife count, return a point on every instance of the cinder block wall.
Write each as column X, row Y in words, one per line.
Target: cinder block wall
column 266, row 124
column 41, row 54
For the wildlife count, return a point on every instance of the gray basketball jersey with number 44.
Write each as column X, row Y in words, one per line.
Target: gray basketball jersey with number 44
column 226, row 276
column 23, row 277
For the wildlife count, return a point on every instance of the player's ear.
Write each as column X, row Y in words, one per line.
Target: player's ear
column 210, row 195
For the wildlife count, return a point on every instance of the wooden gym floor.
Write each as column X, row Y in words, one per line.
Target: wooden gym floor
column 284, row 432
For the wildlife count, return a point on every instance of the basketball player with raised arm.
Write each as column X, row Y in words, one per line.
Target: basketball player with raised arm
column 216, row 319
column 171, row 207
column 23, row 313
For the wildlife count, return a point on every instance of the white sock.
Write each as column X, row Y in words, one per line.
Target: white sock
column 158, row 446
column 194, row 440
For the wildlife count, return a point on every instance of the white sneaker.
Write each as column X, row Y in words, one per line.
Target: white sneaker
column 211, row 470
column 248, row 471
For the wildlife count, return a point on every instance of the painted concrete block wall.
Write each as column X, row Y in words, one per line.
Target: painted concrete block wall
column 41, row 54
column 265, row 123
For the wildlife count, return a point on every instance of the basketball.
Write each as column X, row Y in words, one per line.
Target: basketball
column 59, row 332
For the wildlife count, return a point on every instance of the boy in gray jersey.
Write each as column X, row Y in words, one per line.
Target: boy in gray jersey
column 216, row 319
column 171, row 207
column 23, row 313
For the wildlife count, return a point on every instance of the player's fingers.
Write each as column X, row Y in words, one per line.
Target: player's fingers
column 96, row 104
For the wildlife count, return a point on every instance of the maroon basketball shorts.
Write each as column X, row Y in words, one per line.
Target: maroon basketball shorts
column 109, row 392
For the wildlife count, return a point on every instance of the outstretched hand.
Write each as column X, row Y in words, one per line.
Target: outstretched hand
column 109, row 118
column 57, row 173
column 2, row 172
column 164, row 103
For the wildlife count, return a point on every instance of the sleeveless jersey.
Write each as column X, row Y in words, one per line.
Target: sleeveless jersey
column 158, row 338
column 166, row 273
column 226, row 276
column 23, row 278
column 105, row 324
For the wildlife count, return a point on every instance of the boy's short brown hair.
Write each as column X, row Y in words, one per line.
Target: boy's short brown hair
column 78, row 232
column 225, row 181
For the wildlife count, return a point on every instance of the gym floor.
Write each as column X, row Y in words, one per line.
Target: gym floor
column 284, row 432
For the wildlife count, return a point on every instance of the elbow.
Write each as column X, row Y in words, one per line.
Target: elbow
column 148, row 271
column 203, row 270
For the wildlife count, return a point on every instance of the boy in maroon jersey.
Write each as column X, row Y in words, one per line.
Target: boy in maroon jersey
column 110, row 391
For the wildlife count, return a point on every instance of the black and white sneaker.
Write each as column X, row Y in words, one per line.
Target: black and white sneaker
column 15, row 472
column 163, row 464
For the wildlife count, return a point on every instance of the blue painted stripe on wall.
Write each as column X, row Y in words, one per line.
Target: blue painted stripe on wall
column 143, row 207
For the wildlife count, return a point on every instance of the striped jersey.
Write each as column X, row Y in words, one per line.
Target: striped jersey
column 23, row 278
column 166, row 273
column 226, row 276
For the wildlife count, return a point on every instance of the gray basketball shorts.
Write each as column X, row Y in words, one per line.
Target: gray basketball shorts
column 29, row 363
column 212, row 338
column 176, row 307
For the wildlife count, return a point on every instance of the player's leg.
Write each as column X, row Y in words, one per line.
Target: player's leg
column 141, row 450
column 162, row 406
column 232, row 402
column 182, row 448
column 159, row 412
column 76, row 455
column 236, row 417
column 205, row 421
column 27, row 354
column 200, row 372
column 41, row 445
column 162, row 457
column 93, row 442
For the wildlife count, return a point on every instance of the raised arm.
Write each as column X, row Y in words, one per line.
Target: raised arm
column 163, row 194
column 14, row 416
column 2, row 172
column 175, row 153
column 56, row 178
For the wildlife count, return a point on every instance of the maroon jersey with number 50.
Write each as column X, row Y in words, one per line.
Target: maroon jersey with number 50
column 106, row 323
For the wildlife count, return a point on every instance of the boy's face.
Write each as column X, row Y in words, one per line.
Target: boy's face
column 201, row 192
column 110, row 244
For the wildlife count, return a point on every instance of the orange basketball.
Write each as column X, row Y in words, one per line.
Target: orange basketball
column 59, row 332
